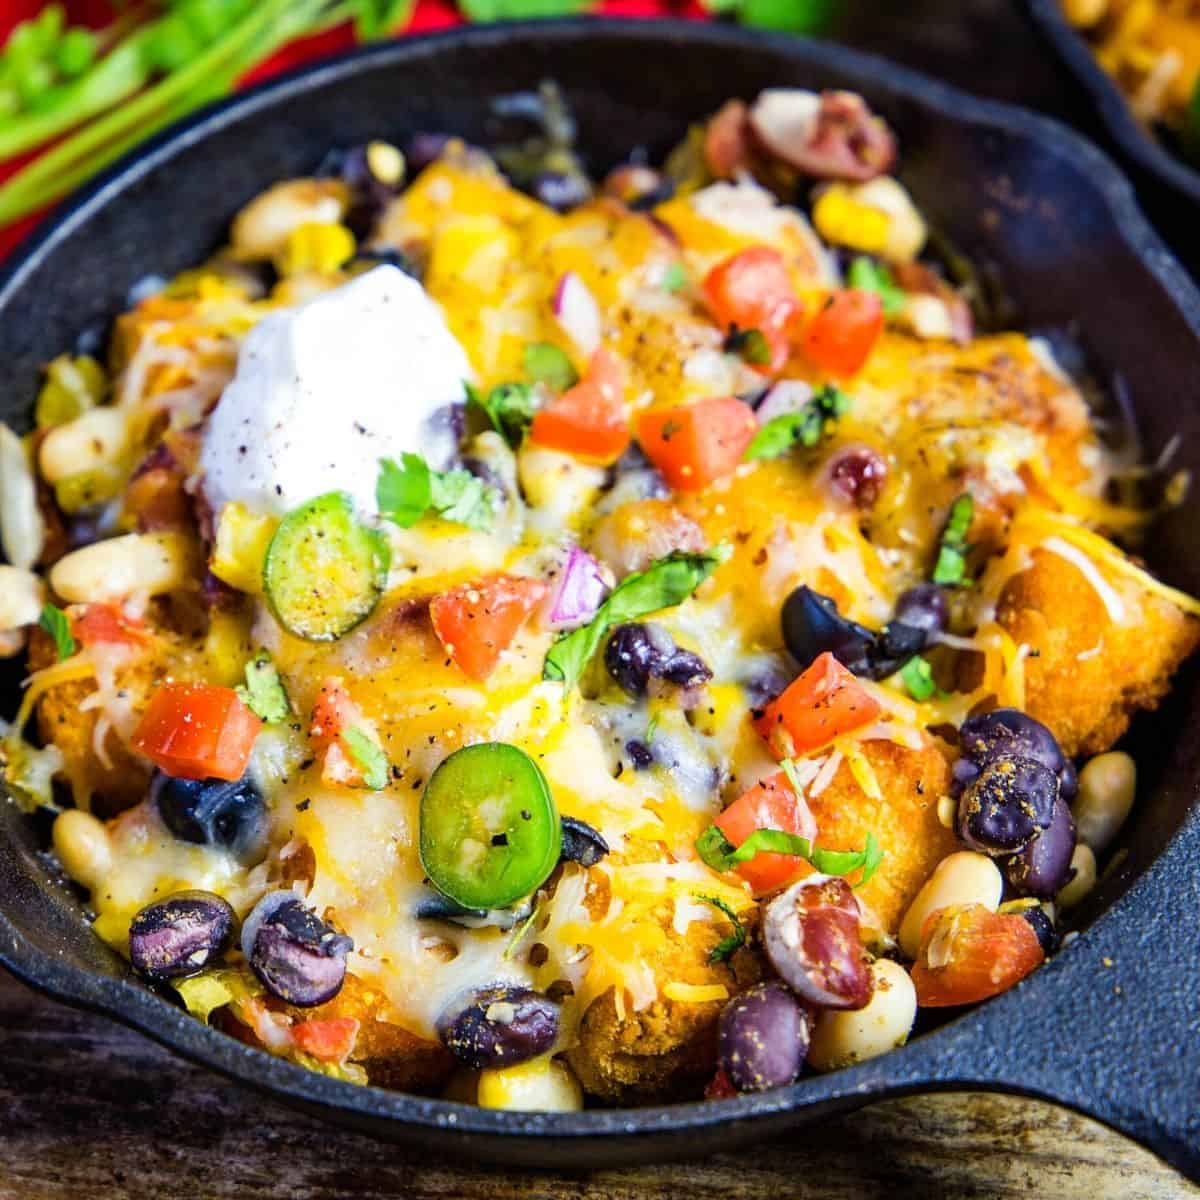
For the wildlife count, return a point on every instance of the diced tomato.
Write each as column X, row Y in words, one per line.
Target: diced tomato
column 93, row 624
column 333, row 713
column 478, row 621
column 196, row 731
column 588, row 420
column 719, row 1087
column 771, row 804
column 821, row 704
column 752, row 290
column 330, row 1041
column 845, row 331
column 968, row 954
column 695, row 444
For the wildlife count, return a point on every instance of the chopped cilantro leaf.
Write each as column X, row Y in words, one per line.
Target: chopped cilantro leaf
column 55, row 622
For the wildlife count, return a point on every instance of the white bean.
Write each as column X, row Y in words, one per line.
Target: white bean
column 22, row 594
column 1083, row 861
column 960, row 878
column 22, row 530
column 94, row 439
column 12, row 642
column 1107, row 785
column 262, row 227
column 842, row 1038
column 83, row 846
column 111, row 570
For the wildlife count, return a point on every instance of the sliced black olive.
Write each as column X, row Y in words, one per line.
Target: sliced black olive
column 812, row 625
column 212, row 812
column 581, row 843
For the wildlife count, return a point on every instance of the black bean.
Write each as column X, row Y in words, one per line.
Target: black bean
column 298, row 957
column 762, row 1038
column 1043, row 867
column 638, row 652
column 179, row 935
column 1010, row 802
column 499, row 1026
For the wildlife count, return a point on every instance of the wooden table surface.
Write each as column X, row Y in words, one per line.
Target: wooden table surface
column 89, row 1110
column 92, row 1111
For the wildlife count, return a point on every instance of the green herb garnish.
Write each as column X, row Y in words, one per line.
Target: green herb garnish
column 651, row 729
column 509, row 408
column 406, row 492
column 663, row 584
column 263, row 692
column 805, row 427
column 951, row 566
column 56, row 623
column 750, row 344
column 719, row 852
column 546, row 363
column 917, row 677
column 368, row 756
column 725, row 949
column 675, row 277
column 867, row 275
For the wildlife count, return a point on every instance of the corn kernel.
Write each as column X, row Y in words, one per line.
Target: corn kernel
column 320, row 246
column 73, row 385
column 539, row 1085
column 241, row 548
column 845, row 221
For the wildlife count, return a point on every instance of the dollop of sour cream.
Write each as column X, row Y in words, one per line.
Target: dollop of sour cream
column 324, row 390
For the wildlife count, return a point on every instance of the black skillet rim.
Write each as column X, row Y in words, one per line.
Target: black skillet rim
column 1134, row 140
column 949, row 1058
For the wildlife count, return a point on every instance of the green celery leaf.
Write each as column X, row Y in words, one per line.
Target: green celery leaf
column 368, row 756
column 263, row 693
column 54, row 621
column 546, row 363
column 663, row 584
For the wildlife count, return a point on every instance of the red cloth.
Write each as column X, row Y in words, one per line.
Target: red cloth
column 430, row 15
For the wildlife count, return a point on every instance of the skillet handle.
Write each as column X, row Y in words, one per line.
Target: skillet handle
column 1119, row 1036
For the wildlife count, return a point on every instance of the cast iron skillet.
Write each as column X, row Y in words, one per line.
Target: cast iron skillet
column 1110, row 1026
column 1137, row 144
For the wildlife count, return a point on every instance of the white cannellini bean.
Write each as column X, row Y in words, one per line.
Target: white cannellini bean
column 1083, row 862
column 94, row 439
column 960, row 878
column 83, row 846
column 1107, row 785
column 22, row 594
column 152, row 563
column 22, row 530
column 842, row 1038
column 12, row 642
column 262, row 227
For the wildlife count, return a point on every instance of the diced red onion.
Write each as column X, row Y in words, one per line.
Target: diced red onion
column 578, row 313
column 581, row 590
column 787, row 396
